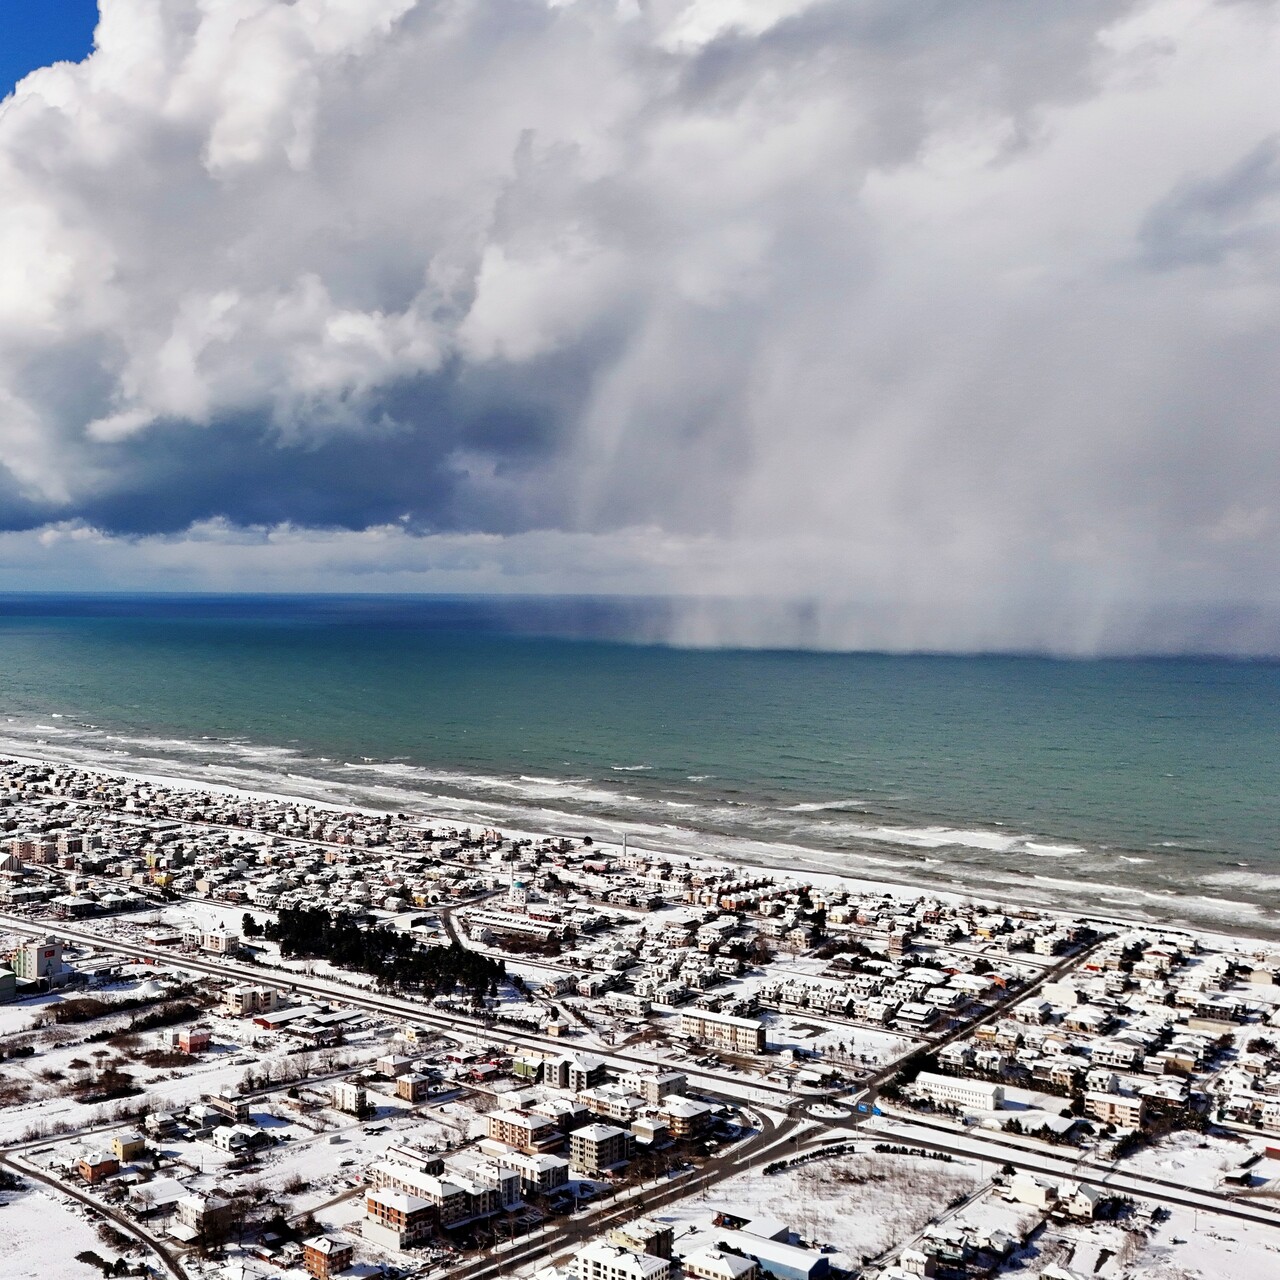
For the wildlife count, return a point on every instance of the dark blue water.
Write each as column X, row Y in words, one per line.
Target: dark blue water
column 1119, row 782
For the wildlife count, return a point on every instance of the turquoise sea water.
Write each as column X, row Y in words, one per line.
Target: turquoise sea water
column 1144, row 786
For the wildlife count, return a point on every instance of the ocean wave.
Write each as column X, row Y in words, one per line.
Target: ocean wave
column 1256, row 881
column 942, row 837
column 826, row 806
column 1040, row 850
column 630, row 768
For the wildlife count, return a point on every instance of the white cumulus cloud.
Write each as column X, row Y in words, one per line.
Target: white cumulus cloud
column 957, row 321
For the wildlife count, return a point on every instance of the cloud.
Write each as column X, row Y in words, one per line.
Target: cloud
column 956, row 323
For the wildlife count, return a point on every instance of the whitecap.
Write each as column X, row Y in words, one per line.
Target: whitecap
column 822, row 806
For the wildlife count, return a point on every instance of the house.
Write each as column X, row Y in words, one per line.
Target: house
column 325, row 1256
column 194, row 1039
column 393, row 1065
column 412, row 1086
column 95, row 1166
column 1078, row 1200
column 1026, row 1188
column 236, row 1137
column 128, row 1145
column 202, row 1217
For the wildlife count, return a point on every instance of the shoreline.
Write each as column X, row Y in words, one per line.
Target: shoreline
column 893, row 884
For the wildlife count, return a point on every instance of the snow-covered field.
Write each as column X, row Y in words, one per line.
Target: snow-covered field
column 861, row 1204
column 40, row 1235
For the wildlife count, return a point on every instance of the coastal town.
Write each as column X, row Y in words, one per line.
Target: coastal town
column 245, row 1036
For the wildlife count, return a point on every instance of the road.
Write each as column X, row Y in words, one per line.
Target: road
column 766, row 1144
column 126, row 1224
column 774, row 1139
column 389, row 1006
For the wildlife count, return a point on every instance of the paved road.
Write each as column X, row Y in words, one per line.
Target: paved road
column 392, row 1006
column 768, row 1143
column 122, row 1221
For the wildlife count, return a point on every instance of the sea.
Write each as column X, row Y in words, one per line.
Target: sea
column 1135, row 789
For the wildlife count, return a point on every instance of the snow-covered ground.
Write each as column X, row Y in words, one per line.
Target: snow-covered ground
column 40, row 1235
column 860, row 1204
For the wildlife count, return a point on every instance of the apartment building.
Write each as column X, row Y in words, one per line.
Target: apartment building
column 686, row 1117
column 539, row 1174
column 644, row 1235
column 350, row 1097
column 1117, row 1109
column 723, row 1031
column 601, row 1261
column 326, row 1256
column 971, row 1095
column 597, row 1147
column 653, row 1086
column 523, row 1130
column 397, row 1219
column 244, row 1001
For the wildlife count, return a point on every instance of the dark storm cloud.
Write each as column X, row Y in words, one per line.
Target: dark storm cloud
column 956, row 321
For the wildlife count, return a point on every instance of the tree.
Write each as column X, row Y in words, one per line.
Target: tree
column 249, row 926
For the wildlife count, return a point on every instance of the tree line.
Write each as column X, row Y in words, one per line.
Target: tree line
column 394, row 958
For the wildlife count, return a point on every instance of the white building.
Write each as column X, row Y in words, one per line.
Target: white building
column 722, row 1031
column 601, row 1261
column 970, row 1095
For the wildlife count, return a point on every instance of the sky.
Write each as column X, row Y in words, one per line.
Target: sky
column 938, row 325
column 35, row 33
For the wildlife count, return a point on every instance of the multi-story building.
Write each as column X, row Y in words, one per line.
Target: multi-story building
column 597, row 1147
column 128, row 1145
column 644, row 1235
column 397, row 1219
column 686, row 1117
column 523, row 1130
column 1117, row 1109
column 539, row 1174
column 350, row 1097
column 326, row 1256
column 653, row 1086
column 204, row 1217
column 41, row 961
column 412, row 1086
column 715, row 1264
column 723, row 1031
column 601, row 1261
column 94, row 1166
column 972, row 1095
column 574, row 1071
column 244, row 1001
column 456, row 1194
